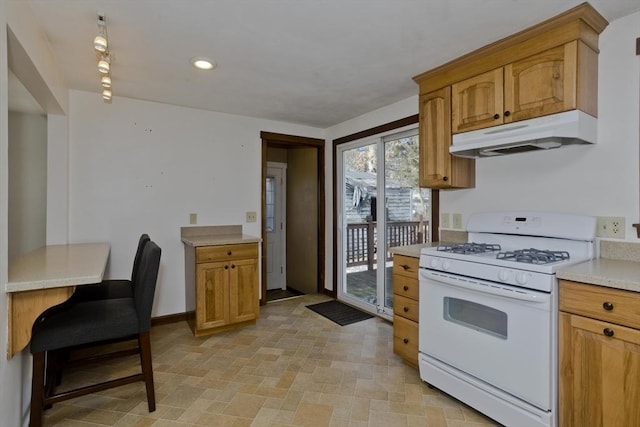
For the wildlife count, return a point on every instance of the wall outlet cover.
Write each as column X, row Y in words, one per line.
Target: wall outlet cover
column 252, row 217
column 444, row 220
column 610, row 226
column 457, row 221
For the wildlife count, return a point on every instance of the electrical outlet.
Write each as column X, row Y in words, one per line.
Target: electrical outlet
column 457, row 221
column 193, row 218
column 444, row 220
column 251, row 217
column 610, row 226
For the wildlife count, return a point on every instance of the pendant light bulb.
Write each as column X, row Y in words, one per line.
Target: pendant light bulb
column 105, row 81
column 100, row 43
column 103, row 65
column 106, row 94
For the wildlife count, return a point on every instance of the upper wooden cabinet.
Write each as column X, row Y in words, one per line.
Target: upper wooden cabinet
column 438, row 168
column 559, row 79
column 549, row 68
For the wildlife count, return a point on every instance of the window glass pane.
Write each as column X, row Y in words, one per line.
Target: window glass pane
column 270, row 205
column 476, row 316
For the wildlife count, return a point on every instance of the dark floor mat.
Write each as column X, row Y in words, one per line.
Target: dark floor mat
column 339, row 313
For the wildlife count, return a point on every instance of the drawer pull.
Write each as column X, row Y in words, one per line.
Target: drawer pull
column 406, row 309
column 607, row 306
column 229, row 253
column 405, row 266
column 406, row 288
column 608, row 332
column 405, row 340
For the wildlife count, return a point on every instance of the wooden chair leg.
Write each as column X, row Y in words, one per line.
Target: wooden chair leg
column 144, row 342
column 37, row 390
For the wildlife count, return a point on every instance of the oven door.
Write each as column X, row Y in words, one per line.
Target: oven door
column 501, row 335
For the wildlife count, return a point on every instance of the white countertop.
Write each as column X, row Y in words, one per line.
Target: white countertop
column 219, row 239
column 612, row 273
column 58, row 266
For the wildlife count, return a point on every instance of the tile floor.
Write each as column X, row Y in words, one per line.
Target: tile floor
column 293, row 368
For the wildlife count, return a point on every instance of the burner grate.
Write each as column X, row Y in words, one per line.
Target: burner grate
column 534, row 256
column 469, row 248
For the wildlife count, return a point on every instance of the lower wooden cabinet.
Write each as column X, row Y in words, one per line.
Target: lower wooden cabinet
column 405, row 308
column 599, row 360
column 226, row 288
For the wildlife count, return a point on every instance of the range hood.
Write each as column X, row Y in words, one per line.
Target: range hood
column 541, row 133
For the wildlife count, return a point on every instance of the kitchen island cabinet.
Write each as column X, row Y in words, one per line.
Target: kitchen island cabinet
column 599, row 356
column 221, row 282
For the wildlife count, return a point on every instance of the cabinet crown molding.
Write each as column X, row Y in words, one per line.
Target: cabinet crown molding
column 582, row 23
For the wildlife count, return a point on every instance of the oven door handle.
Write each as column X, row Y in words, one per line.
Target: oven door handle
column 485, row 287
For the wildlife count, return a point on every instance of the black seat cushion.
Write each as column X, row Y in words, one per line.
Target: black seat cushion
column 83, row 323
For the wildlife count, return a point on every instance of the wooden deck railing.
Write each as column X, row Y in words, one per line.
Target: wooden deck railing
column 362, row 239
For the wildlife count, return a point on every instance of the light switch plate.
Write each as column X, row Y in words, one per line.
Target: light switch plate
column 251, row 217
column 444, row 220
column 193, row 218
column 457, row 221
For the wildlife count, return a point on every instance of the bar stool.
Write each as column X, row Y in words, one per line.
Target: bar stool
column 90, row 323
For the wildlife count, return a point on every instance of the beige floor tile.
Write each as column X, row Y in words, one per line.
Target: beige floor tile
column 292, row 368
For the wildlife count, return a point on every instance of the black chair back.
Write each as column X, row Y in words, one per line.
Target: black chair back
column 144, row 238
column 144, row 284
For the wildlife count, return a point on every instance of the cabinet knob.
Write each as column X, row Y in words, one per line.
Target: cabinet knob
column 405, row 340
column 229, row 253
column 608, row 332
column 507, row 113
column 445, row 178
column 406, row 309
column 406, row 288
column 233, row 266
column 226, row 267
column 607, row 306
column 405, row 266
column 496, row 116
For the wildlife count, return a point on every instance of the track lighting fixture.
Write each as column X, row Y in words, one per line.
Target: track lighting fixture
column 101, row 45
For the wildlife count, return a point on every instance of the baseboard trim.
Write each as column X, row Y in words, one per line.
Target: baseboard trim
column 169, row 318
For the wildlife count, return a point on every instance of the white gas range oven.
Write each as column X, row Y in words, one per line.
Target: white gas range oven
column 489, row 312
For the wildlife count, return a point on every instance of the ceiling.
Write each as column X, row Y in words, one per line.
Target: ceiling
column 312, row 62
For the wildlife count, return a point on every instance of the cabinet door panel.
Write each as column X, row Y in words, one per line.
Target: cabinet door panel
column 541, row 84
column 243, row 290
column 478, row 102
column 212, row 295
column 599, row 374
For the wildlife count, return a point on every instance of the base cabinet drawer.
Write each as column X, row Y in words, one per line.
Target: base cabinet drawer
column 405, row 339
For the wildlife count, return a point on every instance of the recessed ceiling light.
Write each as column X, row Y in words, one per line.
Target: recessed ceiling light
column 202, row 63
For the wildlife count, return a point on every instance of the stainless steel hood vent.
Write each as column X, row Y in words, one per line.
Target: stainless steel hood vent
column 541, row 133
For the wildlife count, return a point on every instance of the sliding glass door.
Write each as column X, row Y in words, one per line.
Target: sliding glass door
column 379, row 206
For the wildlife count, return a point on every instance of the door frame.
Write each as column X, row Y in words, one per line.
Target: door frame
column 434, row 223
column 279, row 140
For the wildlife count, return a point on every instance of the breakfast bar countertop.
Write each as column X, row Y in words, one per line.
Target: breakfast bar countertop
column 612, row 273
column 56, row 266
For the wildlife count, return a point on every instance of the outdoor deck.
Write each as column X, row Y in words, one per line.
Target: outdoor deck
column 362, row 284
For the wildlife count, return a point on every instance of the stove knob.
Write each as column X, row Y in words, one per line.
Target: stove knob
column 446, row 265
column 434, row 263
column 504, row 275
column 522, row 278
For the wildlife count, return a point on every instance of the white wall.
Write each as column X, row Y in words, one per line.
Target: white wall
column 137, row 166
column 27, row 182
column 601, row 179
column 39, row 73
